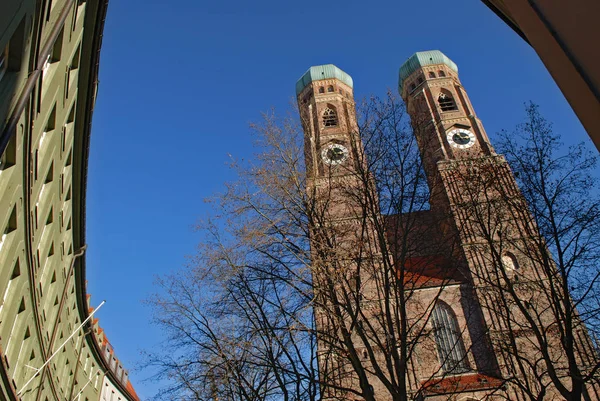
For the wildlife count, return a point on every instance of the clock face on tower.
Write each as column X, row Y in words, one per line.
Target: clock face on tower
column 334, row 154
column 461, row 138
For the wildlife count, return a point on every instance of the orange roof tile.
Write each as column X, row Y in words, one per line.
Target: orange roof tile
column 461, row 383
column 429, row 271
column 131, row 391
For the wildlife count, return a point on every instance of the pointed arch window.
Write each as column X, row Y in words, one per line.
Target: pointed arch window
column 450, row 347
column 330, row 118
column 446, row 101
column 509, row 262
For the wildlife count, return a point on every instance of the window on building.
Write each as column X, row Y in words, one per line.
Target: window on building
column 321, row 89
column 71, row 116
column 15, row 273
column 9, row 157
column 16, row 270
column 446, row 101
column 11, row 225
column 72, row 71
column 22, row 306
column 11, row 54
column 35, row 165
column 330, row 88
column 448, row 339
column 50, row 217
column 509, row 262
column 57, row 48
column 50, row 174
column 441, row 73
column 3, row 61
column 49, row 6
column 78, row 12
column 51, row 123
column 75, row 60
column 432, row 74
column 330, row 118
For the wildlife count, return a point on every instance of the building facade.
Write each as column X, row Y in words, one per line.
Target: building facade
column 49, row 54
column 562, row 34
column 437, row 303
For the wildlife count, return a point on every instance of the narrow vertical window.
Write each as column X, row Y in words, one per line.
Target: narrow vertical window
column 450, row 347
column 9, row 157
column 3, row 61
column 441, row 73
column 57, row 48
column 432, row 74
column 11, row 54
column 11, row 225
column 48, row 10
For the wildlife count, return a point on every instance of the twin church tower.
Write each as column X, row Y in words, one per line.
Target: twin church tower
column 458, row 346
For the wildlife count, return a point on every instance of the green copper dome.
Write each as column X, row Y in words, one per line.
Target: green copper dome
column 421, row 59
column 319, row 72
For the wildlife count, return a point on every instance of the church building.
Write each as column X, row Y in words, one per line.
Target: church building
column 443, row 303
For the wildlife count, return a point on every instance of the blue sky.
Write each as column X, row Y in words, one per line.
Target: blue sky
column 181, row 81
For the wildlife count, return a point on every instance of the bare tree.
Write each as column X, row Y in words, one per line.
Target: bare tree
column 542, row 242
column 289, row 299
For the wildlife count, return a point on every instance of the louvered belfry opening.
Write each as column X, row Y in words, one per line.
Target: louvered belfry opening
column 330, row 118
column 446, row 102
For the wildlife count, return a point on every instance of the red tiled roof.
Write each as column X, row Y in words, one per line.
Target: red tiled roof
column 105, row 342
column 132, row 392
column 462, row 383
column 429, row 271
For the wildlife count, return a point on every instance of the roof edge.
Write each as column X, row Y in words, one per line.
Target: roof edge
column 320, row 72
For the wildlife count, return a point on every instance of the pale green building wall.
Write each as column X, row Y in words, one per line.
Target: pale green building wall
column 42, row 197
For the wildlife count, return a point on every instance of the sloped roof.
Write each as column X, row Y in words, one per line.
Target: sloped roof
column 460, row 383
column 318, row 72
column 421, row 59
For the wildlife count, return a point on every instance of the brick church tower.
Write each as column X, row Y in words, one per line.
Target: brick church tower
column 498, row 250
column 474, row 341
